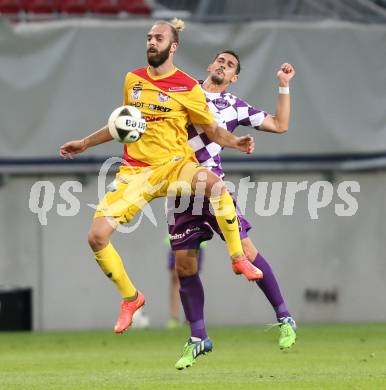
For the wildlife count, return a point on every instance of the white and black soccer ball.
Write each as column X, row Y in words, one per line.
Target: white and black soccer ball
column 126, row 124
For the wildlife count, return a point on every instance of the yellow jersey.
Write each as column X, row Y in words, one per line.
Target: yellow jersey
column 168, row 103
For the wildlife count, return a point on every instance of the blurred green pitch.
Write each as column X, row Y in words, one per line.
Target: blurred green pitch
column 324, row 357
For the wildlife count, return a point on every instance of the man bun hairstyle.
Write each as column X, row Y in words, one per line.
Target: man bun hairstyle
column 176, row 26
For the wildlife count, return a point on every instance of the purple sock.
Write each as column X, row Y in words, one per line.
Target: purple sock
column 192, row 299
column 270, row 287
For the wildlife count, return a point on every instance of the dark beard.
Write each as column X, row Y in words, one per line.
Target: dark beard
column 217, row 79
column 158, row 59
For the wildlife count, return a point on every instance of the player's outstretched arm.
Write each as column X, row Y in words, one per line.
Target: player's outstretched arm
column 79, row 146
column 226, row 139
column 279, row 122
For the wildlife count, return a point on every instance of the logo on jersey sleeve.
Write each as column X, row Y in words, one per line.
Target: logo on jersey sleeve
column 136, row 91
column 162, row 97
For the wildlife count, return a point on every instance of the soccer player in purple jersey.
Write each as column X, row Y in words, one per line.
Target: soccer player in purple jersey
column 189, row 229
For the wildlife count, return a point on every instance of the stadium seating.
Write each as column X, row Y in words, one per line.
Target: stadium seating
column 104, row 7
column 110, row 7
column 11, row 7
column 135, row 7
column 40, row 6
column 73, row 7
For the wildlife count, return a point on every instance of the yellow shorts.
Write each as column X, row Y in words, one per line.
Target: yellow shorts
column 136, row 186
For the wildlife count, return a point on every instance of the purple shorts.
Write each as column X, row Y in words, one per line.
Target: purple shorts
column 172, row 260
column 188, row 230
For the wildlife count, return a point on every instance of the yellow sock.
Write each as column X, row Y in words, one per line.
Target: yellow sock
column 225, row 213
column 111, row 263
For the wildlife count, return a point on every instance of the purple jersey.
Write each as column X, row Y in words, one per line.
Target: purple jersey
column 189, row 229
column 229, row 112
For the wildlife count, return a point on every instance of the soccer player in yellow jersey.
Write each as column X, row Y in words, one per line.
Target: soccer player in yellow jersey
column 169, row 99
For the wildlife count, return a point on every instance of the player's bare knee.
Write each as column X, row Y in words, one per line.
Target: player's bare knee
column 183, row 270
column 185, row 267
column 99, row 234
column 97, row 240
column 215, row 187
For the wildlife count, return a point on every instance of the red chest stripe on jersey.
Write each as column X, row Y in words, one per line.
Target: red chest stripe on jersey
column 132, row 161
column 177, row 82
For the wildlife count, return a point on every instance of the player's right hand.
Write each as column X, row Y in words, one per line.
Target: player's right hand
column 246, row 144
column 73, row 147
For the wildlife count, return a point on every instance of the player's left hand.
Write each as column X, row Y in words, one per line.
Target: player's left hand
column 246, row 144
column 285, row 74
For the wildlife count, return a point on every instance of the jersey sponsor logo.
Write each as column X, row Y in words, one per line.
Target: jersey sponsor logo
column 188, row 231
column 176, row 236
column 157, row 107
column 162, row 97
column 137, row 104
column 150, row 118
column 136, row 91
column 178, row 88
column 221, row 103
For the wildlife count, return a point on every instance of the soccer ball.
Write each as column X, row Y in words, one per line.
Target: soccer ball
column 126, row 124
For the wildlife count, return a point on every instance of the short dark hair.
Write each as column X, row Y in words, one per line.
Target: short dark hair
column 232, row 53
